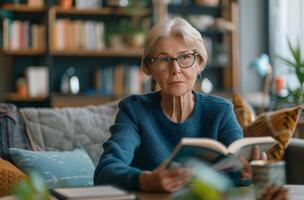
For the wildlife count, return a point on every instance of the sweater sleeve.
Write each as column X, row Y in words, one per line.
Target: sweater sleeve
column 114, row 165
column 229, row 128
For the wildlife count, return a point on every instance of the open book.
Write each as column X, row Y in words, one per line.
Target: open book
column 212, row 151
column 106, row 192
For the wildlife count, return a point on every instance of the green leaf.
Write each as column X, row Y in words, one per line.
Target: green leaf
column 288, row 62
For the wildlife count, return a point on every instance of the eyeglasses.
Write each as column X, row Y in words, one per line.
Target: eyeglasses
column 185, row 60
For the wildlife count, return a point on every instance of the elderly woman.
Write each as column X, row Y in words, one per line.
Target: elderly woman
column 148, row 127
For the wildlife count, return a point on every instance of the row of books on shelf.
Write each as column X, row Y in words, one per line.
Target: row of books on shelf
column 78, row 34
column 23, row 35
column 121, row 80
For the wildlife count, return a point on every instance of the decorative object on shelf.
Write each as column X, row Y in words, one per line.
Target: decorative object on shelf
column 70, row 82
column 220, row 54
column 22, row 88
column 66, row 4
column 136, row 37
column 223, row 25
column 118, row 3
column 85, row 4
column 38, row 81
column 296, row 66
column 263, row 67
column 201, row 22
column 211, row 3
column 280, row 88
column 35, row 3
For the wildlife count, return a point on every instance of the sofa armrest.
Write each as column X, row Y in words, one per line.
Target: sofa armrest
column 12, row 130
column 294, row 158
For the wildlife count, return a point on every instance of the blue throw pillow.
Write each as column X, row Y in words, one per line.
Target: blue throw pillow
column 59, row 169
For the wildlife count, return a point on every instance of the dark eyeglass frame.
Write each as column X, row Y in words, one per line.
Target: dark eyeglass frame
column 152, row 60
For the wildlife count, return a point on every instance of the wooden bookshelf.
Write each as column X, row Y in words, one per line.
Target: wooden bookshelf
column 59, row 101
column 23, row 52
column 101, row 11
column 16, row 97
column 74, row 11
column 23, row 8
column 127, row 52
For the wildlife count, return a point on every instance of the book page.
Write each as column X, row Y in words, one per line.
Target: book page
column 244, row 146
column 204, row 149
column 205, row 142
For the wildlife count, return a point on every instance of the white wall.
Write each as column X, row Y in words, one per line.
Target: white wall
column 286, row 22
column 253, row 41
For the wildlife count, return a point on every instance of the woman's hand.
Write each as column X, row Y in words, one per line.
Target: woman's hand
column 164, row 180
column 256, row 155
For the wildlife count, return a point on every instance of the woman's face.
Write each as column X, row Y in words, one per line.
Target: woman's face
column 173, row 79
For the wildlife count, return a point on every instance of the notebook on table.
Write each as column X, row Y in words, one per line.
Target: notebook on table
column 106, row 192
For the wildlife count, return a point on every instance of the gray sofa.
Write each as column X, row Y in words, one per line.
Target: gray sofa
column 56, row 129
column 87, row 127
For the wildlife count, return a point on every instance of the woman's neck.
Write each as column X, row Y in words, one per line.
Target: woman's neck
column 178, row 108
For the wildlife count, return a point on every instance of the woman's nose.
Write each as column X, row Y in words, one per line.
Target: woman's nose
column 175, row 69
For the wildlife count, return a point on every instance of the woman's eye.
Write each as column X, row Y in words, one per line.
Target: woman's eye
column 165, row 59
column 184, row 56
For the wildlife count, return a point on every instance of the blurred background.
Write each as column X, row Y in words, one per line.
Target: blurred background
column 57, row 53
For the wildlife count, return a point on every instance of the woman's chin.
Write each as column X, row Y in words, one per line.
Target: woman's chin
column 176, row 91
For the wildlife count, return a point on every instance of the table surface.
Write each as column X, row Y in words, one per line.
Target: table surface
column 295, row 192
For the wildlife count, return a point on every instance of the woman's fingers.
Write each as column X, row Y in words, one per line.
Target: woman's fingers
column 177, row 183
column 255, row 153
column 174, row 179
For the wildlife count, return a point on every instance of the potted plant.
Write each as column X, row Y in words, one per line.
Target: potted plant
column 296, row 65
column 136, row 36
column 32, row 188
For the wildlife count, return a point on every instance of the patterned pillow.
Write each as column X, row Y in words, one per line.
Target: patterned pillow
column 244, row 113
column 59, row 169
column 9, row 176
column 279, row 124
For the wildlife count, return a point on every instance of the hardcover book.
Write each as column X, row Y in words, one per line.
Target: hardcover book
column 214, row 152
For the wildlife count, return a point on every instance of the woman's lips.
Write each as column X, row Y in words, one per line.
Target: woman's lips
column 175, row 82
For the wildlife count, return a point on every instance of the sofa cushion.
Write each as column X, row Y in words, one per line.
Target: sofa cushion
column 59, row 169
column 243, row 111
column 69, row 128
column 12, row 130
column 9, row 177
column 279, row 124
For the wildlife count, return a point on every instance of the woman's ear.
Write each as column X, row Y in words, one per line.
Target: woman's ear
column 200, row 60
column 201, row 64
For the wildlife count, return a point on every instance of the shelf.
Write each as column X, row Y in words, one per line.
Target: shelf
column 22, row 8
column 107, row 52
column 23, row 52
column 195, row 10
column 16, row 97
column 102, row 11
column 59, row 100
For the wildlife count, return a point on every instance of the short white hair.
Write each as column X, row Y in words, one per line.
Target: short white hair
column 175, row 26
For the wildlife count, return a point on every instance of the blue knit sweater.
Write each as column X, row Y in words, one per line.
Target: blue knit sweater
column 143, row 137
